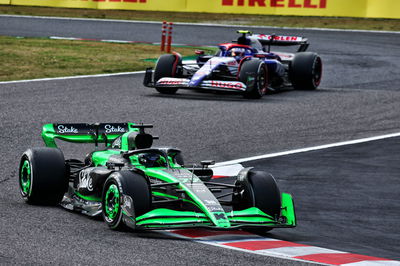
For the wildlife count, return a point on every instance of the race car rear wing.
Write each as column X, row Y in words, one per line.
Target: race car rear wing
column 280, row 40
column 86, row 133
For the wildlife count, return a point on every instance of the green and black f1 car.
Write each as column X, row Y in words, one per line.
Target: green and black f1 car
column 131, row 184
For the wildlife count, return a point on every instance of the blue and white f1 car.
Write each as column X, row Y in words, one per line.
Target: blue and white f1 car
column 246, row 66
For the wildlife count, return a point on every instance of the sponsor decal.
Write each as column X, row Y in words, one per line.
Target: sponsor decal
column 219, row 215
column 232, row 63
column 215, row 208
column 318, row 4
column 127, row 208
column 172, row 81
column 210, row 202
column 278, row 38
column 127, row 202
column 85, row 181
column 117, row 143
column 155, row 180
column 65, row 129
column 230, row 85
column 112, row 129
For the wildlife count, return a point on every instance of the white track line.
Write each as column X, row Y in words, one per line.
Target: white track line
column 321, row 147
column 199, row 24
column 73, row 77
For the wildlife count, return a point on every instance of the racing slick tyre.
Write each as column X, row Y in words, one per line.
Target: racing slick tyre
column 166, row 66
column 305, row 71
column 126, row 195
column 42, row 176
column 254, row 74
column 257, row 189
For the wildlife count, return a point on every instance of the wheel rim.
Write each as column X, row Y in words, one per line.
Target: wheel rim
column 112, row 202
column 317, row 72
column 261, row 80
column 244, row 196
column 26, row 177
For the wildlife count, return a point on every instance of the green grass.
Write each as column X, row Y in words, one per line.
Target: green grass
column 237, row 19
column 28, row 58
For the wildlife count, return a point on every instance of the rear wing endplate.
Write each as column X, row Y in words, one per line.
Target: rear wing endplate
column 85, row 133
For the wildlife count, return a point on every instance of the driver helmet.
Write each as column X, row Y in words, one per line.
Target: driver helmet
column 151, row 160
column 238, row 53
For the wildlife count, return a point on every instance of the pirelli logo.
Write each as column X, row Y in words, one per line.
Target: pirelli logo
column 277, row 3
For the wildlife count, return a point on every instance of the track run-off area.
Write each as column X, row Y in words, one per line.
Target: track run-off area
column 347, row 197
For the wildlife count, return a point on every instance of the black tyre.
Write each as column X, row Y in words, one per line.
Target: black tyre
column 42, row 176
column 128, row 192
column 306, row 71
column 257, row 189
column 166, row 66
column 254, row 74
column 179, row 159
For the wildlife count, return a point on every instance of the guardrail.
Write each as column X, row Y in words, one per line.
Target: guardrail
column 337, row 8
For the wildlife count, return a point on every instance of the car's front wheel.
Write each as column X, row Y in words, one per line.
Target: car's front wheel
column 166, row 67
column 126, row 195
column 257, row 189
column 254, row 74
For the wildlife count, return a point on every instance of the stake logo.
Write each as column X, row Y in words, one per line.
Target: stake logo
column 112, row 129
column 277, row 3
column 64, row 129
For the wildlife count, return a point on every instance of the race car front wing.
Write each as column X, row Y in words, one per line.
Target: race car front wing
column 184, row 83
column 251, row 217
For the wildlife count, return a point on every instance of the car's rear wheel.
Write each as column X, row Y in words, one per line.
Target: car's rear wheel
column 42, row 176
column 166, row 67
column 126, row 195
column 305, row 71
column 257, row 189
column 254, row 74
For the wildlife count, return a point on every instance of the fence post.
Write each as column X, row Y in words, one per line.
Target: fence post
column 169, row 37
column 163, row 35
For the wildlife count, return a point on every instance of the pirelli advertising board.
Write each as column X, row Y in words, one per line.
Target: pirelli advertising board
column 344, row 8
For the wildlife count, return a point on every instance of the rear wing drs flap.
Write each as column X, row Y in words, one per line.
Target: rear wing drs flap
column 280, row 40
column 85, row 133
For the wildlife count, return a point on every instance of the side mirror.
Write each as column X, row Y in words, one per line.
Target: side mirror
column 207, row 163
column 199, row 52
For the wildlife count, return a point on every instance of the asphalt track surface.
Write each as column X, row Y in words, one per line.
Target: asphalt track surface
column 347, row 198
